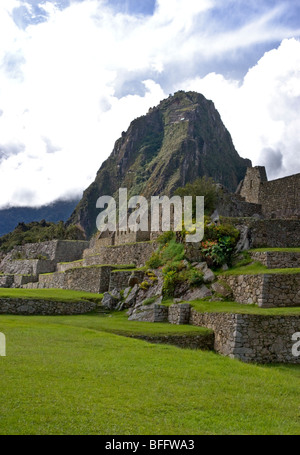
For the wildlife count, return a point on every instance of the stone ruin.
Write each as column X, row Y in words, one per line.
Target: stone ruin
column 267, row 213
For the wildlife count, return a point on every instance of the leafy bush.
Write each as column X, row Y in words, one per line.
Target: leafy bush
column 217, row 232
column 172, row 252
column 165, row 237
column 144, row 285
column 204, row 186
column 218, row 252
column 149, row 301
column 154, row 262
column 195, row 277
column 170, row 281
column 219, row 243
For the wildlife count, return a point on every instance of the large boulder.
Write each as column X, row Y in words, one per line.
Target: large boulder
column 109, row 301
column 222, row 289
column 208, row 276
column 197, row 293
column 130, row 299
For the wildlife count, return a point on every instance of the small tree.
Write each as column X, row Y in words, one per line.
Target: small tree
column 203, row 186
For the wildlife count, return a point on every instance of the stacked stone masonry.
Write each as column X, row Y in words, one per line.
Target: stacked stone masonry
column 151, row 313
column 36, row 258
column 29, row 266
column 6, row 281
column 265, row 290
column 63, row 266
column 276, row 259
column 275, row 233
column 179, row 314
column 279, row 198
column 119, row 279
column 44, row 307
column 252, row 338
column 135, row 253
column 88, row 279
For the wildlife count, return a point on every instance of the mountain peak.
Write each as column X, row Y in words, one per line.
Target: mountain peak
column 179, row 140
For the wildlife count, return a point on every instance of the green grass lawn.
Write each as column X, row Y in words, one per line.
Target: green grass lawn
column 204, row 306
column 117, row 322
column 60, row 295
column 256, row 268
column 68, row 375
column 275, row 250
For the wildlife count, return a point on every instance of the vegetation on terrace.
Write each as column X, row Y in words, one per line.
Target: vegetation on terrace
column 275, row 250
column 216, row 249
column 256, row 268
column 60, row 295
column 39, row 232
column 205, row 306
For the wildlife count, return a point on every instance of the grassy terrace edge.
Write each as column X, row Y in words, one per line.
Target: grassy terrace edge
column 61, row 295
column 204, row 306
column 258, row 269
column 117, row 323
column 275, row 250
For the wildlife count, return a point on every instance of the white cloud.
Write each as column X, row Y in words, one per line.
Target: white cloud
column 262, row 113
column 59, row 82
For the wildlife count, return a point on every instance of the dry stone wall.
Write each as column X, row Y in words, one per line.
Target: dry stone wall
column 6, row 281
column 135, row 253
column 246, row 289
column 29, row 266
column 89, row 279
column 52, row 280
column 276, row 259
column 179, row 314
column 54, row 250
column 265, row 290
column 252, row 338
column 224, row 327
column 275, row 233
column 281, row 197
column 266, row 339
column 63, row 266
column 21, row 280
column 119, row 278
column 150, row 313
column 44, row 307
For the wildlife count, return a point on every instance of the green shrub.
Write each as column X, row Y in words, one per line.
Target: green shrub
column 195, row 277
column 144, row 285
column 217, row 232
column 149, row 301
column 172, row 252
column 165, row 237
column 154, row 262
column 204, row 186
column 170, row 280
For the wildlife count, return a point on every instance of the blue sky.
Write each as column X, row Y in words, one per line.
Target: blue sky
column 74, row 73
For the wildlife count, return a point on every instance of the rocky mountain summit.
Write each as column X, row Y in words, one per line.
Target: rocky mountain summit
column 174, row 143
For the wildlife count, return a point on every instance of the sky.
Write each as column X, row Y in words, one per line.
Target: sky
column 75, row 73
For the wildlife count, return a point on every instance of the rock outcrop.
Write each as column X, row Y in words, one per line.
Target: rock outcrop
column 179, row 140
